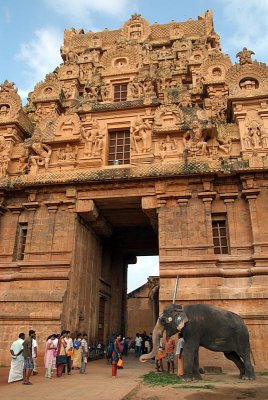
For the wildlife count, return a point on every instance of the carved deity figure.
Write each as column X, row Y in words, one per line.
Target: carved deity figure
column 185, row 100
column 4, row 110
column 42, row 151
column 245, row 56
column 135, row 88
column 194, row 140
column 67, row 154
column 141, row 131
column 4, row 157
column 105, row 92
column 167, row 146
column 93, row 140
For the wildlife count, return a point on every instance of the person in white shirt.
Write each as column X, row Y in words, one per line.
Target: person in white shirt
column 138, row 343
column 17, row 360
column 34, row 354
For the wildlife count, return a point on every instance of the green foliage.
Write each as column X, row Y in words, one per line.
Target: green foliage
column 194, row 387
column 262, row 373
column 160, row 379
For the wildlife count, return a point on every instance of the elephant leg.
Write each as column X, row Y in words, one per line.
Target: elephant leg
column 233, row 356
column 249, row 370
column 196, row 372
column 189, row 353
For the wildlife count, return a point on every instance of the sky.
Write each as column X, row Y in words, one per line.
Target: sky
column 31, row 33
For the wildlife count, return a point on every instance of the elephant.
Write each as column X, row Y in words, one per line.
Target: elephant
column 204, row 325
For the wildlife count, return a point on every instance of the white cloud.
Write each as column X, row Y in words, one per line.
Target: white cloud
column 138, row 273
column 83, row 9
column 40, row 56
column 249, row 20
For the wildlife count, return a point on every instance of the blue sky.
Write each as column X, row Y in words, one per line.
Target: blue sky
column 31, row 33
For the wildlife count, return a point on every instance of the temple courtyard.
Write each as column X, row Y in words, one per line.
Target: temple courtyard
column 98, row 384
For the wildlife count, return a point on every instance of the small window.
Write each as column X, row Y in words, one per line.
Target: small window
column 20, row 242
column 119, row 147
column 220, row 235
column 120, row 92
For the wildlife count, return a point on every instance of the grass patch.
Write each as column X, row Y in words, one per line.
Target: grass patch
column 210, row 387
column 262, row 373
column 161, row 379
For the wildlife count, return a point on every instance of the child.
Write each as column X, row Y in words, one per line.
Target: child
column 159, row 359
column 170, row 347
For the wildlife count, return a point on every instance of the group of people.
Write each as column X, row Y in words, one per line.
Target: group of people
column 168, row 353
column 62, row 354
column 142, row 343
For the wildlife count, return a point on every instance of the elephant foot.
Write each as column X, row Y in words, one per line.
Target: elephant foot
column 187, row 378
column 198, row 377
column 248, row 378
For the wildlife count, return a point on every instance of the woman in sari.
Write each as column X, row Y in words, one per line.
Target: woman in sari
column 77, row 352
column 49, row 355
column 61, row 359
column 116, row 355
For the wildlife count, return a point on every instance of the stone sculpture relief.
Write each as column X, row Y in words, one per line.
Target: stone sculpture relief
column 94, row 138
column 4, row 157
column 42, row 153
column 141, row 136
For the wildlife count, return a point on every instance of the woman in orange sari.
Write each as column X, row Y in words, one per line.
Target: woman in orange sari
column 61, row 359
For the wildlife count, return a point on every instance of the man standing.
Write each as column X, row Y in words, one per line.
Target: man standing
column 179, row 352
column 34, row 350
column 84, row 347
column 28, row 357
column 17, row 360
column 69, row 351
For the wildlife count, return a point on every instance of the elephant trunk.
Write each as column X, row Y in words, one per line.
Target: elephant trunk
column 157, row 333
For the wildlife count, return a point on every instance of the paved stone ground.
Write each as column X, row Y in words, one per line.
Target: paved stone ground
column 96, row 384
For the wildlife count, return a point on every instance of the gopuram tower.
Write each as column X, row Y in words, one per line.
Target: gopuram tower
column 146, row 140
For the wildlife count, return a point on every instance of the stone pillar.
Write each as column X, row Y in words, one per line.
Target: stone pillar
column 251, row 195
column 229, row 199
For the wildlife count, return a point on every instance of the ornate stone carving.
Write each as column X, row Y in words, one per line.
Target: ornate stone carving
column 195, row 140
column 67, row 154
column 255, row 134
column 10, row 102
column 245, row 56
column 214, row 69
column 42, row 153
column 69, row 89
column 141, row 136
column 168, row 148
column 67, row 126
column 68, row 71
column 4, row 157
column 93, row 137
column 168, row 118
column 247, row 80
column 136, row 28
column 48, row 89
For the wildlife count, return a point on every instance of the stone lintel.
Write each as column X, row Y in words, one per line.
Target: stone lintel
column 31, row 206
column 207, row 196
column 228, row 197
column 15, row 209
column 52, row 205
column 250, row 193
column 88, row 209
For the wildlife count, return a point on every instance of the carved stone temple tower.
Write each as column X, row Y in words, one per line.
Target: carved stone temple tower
column 146, row 140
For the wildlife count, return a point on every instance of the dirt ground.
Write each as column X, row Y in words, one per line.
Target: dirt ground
column 225, row 387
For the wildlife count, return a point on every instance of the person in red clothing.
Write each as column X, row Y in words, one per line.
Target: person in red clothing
column 170, row 347
column 116, row 354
